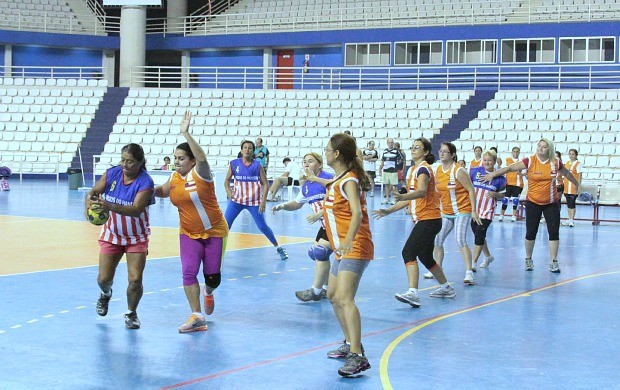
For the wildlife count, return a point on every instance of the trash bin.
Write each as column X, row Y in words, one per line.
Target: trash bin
column 75, row 178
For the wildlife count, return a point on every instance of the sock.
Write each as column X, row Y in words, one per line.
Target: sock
column 130, row 311
column 325, row 287
column 107, row 294
column 413, row 290
column 317, row 291
column 444, row 285
column 199, row 315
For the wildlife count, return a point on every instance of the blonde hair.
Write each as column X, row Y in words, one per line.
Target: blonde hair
column 491, row 153
column 551, row 146
column 316, row 156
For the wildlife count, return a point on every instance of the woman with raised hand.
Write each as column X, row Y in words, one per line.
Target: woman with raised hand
column 203, row 229
column 424, row 204
column 542, row 198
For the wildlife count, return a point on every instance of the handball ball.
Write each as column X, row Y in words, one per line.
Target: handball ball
column 97, row 217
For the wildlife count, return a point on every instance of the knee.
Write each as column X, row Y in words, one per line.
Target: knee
column 319, row 253
column 504, row 201
column 214, row 280
column 515, row 202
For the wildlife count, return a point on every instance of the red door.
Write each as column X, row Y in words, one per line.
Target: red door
column 284, row 73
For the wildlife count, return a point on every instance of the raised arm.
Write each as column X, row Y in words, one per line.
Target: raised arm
column 202, row 165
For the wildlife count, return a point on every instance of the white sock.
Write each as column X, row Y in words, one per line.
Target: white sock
column 444, row 285
column 198, row 314
column 107, row 294
column 317, row 291
column 413, row 290
column 325, row 287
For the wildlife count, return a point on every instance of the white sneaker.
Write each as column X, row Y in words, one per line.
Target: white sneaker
column 565, row 223
column 513, row 218
column 443, row 292
column 469, row 278
column 554, row 267
column 385, row 201
column 428, row 275
column 571, row 223
column 501, row 218
column 409, row 297
column 474, row 265
column 487, row 260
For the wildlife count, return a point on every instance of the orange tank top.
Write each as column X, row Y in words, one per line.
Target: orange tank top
column 199, row 213
column 337, row 215
column 542, row 180
column 428, row 206
column 513, row 178
column 453, row 196
column 575, row 169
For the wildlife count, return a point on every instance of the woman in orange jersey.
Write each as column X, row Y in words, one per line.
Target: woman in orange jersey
column 348, row 230
column 477, row 161
column 570, row 191
column 203, row 229
column 514, row 187
column 458, row 207
column 542, row 198
column 424, row 204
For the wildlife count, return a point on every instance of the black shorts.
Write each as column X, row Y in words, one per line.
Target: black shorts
column 513, row 191
column 371, row 174
column 321, row 234
column 290, row 181
column 570, row 200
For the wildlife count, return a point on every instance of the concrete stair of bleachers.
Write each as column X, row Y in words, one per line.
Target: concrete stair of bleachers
column 100, row 128
column 460, row 121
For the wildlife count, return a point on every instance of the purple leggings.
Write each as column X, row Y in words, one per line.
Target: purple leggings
column 207, row 251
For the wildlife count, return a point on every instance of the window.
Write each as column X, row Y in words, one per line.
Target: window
column 471, row 52
column 528, row 50
column 367, row 54
column 587, row 49
column 417, row 53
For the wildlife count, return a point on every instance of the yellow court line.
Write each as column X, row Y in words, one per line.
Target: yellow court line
column 385, row 358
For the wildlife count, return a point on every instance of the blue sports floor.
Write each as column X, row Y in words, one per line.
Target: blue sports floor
column 514, row 329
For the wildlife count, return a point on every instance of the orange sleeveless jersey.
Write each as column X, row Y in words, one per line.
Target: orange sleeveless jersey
column 475, row 163
column 513, row 178
column 542, row 180
column 453, row 196
column 575, row 169
column 337, row 215
column 199, row 213
column 427, row 207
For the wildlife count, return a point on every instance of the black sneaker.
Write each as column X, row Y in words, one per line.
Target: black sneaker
column 132, row 321
column 355, row 364
column 102, row 303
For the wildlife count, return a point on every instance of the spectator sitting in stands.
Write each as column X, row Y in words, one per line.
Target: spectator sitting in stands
column 167, row 166
column 291, row 176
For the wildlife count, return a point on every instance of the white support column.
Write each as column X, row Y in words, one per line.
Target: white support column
column 8, row 60
column 268, row 72
column 108, row 64
column 185, row 75
column 133, row 43
column 176, row 11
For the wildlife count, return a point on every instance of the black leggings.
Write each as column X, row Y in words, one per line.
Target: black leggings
column 421, row 242
column 480, row 231
column 570, row 200
column 533, row 213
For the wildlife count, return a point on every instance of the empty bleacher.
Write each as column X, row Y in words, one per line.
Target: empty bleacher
column 41, row 126
column 291, row 123
column 585, row 120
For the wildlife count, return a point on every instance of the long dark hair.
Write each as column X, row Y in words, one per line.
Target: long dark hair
column 347, row 147
column 137, row 152
column 428, row 147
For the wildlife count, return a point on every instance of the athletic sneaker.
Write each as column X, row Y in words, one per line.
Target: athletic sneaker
column 193, row 324
column 385, row 201
column 282, row 253
column 529, row 265
column 132, row 321
column 554, row 267
column 355, row 364
column 501, row 218
column 474, row 266
column 444, row 292
column 409, row 297
column 102, row 303
column 428, row 275
column 342, row 351
column 469, row 278
column 513, row 218
column 209, row 304
column 571, row 223
column 487, row 260
column 309, row 295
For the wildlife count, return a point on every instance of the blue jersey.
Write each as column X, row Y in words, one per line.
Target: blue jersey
column 486, row 205
column 247, row 182
column 313, row 193
column 124, row 229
